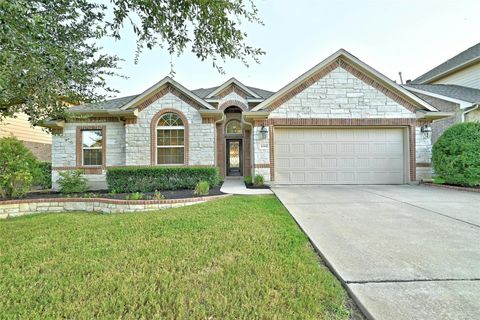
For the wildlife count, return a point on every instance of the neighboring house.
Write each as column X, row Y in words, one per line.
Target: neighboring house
column 341, row 122
column 453, row 86
column 34, row 138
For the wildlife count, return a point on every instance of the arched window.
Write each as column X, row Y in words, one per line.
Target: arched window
column 234, row 127
column 170, row 139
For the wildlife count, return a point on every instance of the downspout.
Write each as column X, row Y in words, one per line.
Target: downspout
column 474, row 107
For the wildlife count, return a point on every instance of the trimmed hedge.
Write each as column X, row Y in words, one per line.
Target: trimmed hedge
column 149, row 179
column 456, row 155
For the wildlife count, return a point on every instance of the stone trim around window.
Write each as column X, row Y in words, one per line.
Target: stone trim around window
column 78, row 148
column 321, row 122
column 153, row 135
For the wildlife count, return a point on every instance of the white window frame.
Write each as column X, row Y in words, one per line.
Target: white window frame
column 92, row 148
column 169, row 146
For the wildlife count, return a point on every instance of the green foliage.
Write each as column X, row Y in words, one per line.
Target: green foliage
column 18, row 168
column 456, row 155
column 149, row 179
column 49, row 57
column 202, row 188
column 438, row 180
column 248, row 180
column 44, row 178
column 209, row 28
column 157, row 195
column 134, row 196
column 241, row 257
column 259, row 180
column 72, row 182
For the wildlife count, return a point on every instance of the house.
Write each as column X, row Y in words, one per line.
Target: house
column 453, row 86
column 35, row 139
column 341, row 122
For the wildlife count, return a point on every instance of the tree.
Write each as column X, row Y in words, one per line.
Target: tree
column 49, row 57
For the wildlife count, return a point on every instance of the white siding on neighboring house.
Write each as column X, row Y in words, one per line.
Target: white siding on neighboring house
column 22, row 130
column 468, row 77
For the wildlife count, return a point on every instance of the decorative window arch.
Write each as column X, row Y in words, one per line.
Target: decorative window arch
column 233, row 127
column 169, row 134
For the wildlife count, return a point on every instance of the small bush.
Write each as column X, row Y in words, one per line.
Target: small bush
column 44, row 179
column 259, row 180
column 248, row 180
column 18, row 168
column 456, row 155
column 158, row 195
column 149, row 179
column 202, row 188
column 134, row 196
column 72, row 182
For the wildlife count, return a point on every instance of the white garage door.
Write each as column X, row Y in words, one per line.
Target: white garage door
column 339, row 156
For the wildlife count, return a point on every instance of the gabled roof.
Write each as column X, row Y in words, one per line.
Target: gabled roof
column 232, row 81
column 165, row 81
column 204, row 92
column 461, row 60
column 112, row 104
column 357, row 64
column 450, row 90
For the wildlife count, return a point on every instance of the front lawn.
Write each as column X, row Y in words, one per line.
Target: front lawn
column 235, row 258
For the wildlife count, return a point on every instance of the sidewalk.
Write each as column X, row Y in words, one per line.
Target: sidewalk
column 237, row 186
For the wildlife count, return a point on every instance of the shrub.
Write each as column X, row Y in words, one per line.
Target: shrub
column 456, row 155
column 134, row 196
column 259, row 180
column 44, row 178
column 158, row 195
column 202, row 188
column 149, row 179
column 248, row 180
column 18, row 168
column 72, row 182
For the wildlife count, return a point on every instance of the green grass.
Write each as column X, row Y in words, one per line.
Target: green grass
column 236, row 258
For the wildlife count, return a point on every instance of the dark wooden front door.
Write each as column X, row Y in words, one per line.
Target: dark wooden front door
column 234, row 157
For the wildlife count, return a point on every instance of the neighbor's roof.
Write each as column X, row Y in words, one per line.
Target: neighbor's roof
column 450, row 90
column 462, row 59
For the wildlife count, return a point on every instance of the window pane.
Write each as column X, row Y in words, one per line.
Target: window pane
column 170, row 137
column 92, row 138
column 170, row 119
column 170, row 155
column 92, row 157
column 234, row 126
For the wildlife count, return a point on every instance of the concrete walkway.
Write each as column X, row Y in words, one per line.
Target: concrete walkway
column 403, row 252
column 237, row 186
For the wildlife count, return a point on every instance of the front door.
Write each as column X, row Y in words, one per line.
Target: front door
column 234, row 157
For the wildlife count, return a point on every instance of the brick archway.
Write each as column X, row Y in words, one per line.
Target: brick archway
column 233, row 103
column 153, row 134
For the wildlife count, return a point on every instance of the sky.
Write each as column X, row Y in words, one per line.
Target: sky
column 391, row 36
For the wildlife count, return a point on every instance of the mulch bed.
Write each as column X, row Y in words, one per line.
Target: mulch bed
column 168, row 194
column 449, row 186
column 251, row 186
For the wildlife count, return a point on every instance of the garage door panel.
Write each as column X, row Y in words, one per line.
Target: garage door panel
column 339, row 156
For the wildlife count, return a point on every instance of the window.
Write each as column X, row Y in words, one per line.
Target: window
column 170, row 139
column 92, row 141
column 234, row 127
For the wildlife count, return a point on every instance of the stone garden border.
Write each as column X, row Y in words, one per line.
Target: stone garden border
column 447, row 186
column 15, row 208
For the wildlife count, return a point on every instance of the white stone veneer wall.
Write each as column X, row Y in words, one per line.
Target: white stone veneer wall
column 201, row 136
column 64, row 150
column 337, row 95
column 423, row 151
column 261, row 150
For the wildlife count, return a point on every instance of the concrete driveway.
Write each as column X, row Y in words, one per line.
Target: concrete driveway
column 404, row 252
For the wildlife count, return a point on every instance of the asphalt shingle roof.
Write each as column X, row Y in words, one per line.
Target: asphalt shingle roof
column 459, row 59
column 112, row 104
column 203, row 92
column 449, row 90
